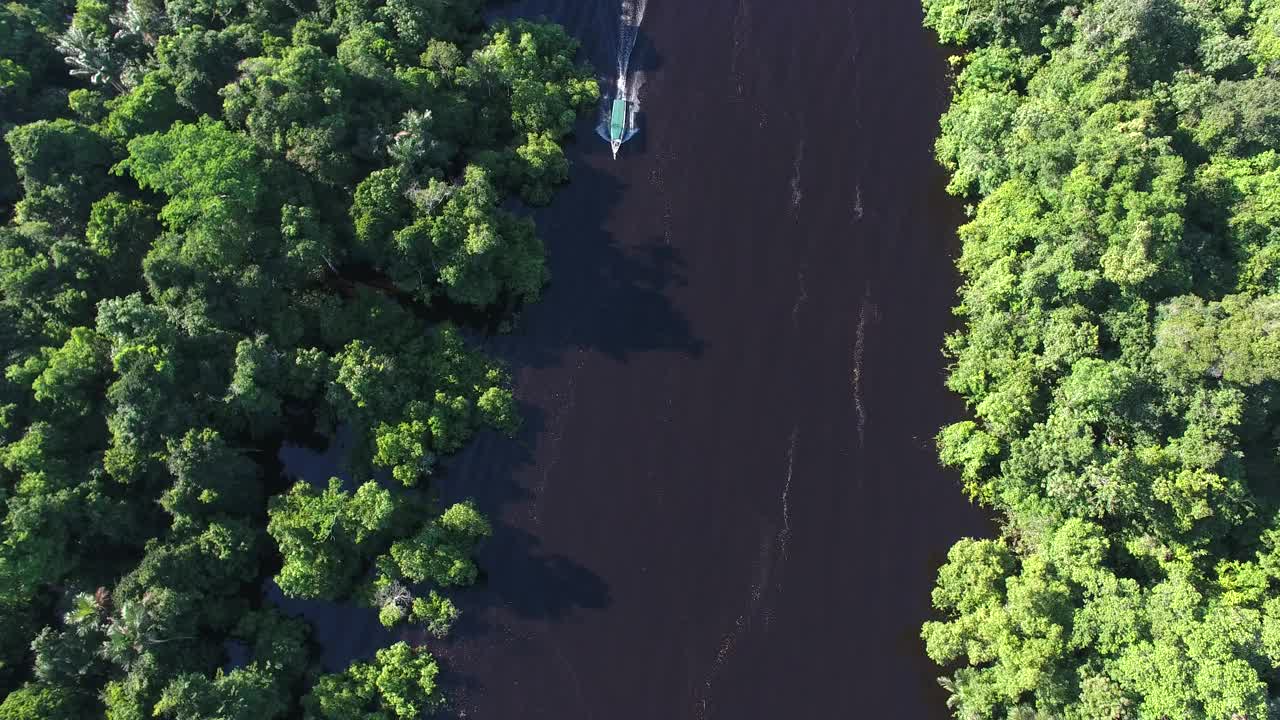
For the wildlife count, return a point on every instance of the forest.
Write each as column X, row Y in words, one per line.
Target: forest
column 1119, row 352
column 228, row 225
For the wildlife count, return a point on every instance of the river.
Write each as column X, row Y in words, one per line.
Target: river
column 725, row 502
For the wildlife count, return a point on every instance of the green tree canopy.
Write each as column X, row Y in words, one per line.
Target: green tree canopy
column 1118, row 353
column 227, row 226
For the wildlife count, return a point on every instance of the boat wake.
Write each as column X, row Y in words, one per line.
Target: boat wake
column 628, row 29
column 766, row 587
column 618, row 114
column 868, row 313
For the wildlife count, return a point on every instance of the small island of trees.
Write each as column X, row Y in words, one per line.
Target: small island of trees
column 228, row 223
column 1121, row 356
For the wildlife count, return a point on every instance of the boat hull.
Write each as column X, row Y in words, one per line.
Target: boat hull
column 616, row 131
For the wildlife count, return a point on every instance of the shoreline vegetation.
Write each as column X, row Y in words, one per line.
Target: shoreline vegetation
column 228, row 224
column 1120, row 355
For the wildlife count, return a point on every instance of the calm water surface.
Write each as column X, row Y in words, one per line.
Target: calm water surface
column 725, row 502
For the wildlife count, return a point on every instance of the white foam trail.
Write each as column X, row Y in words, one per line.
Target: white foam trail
column 740, row 625
column 868, row 312
column 764, row 589
column 800, row 299
column 634, row 83
column 629, row 18
column 631, row 91
column 722, row 654
column 784, row 535
column 657, row 178
column 764, row 564
column 767, row 588
column 628, row 28
column 797, row 193
column 741, row 34
column 786, row 491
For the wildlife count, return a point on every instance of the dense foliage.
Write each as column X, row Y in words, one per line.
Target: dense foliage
column 228, row 223
column 1121, row 354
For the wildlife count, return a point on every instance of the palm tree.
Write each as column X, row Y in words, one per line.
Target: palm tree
column 140, row 19
column 413, row 141
column 956, row 698
column 134, row 630
column 85, row 611
column 90, row 57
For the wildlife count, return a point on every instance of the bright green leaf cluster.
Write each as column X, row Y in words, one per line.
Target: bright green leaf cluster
column 1121, row 308
column 228, row 225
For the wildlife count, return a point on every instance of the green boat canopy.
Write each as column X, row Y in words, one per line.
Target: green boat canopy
column 618, row 120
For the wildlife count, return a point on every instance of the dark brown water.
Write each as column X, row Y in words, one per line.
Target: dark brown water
column 725, row 502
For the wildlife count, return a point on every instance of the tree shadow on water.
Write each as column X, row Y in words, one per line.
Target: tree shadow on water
column 612, row 293
column 519, row 576
column 521, row 582
column 611, row 288
column 524, row 579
